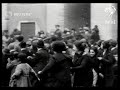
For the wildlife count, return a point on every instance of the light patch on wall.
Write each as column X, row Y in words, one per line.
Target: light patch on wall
column 55, row 15
column 4, row 16
column 100, row 16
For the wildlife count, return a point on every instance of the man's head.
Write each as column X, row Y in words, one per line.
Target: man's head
column 58, row 46
column 57, row 26
column 40, row 43
column 20, row 38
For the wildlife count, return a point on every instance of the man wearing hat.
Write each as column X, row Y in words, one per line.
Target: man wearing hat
column 41, row 57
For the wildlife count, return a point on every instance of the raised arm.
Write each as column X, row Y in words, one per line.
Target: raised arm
column 48, row 66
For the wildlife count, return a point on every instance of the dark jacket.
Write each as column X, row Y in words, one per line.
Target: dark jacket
column 40, row 59
column 59, row 71
column 26, row 51
column 107, row 63
column 100, row 52
column 5, row 74
column 107, row 68
column 83, row 70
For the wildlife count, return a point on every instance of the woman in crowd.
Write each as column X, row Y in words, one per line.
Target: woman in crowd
column 93, row 52
column 107, row 61
column 56, row 58
column 21, row 75
column 58, row 67
column 82, row 67
column 12, row 63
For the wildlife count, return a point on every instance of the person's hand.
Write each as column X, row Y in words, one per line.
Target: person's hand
column 39, row 72
column 29, row 57
column 100, row 58
column 101, row 75
column 12, row 77
column 38, row 79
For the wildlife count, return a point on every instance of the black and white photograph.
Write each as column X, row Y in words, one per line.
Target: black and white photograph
column 68, row 45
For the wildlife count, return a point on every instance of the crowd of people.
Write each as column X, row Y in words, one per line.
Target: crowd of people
column 73, row 58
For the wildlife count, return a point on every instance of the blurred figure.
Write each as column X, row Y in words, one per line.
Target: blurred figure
column 70, row 49
column 12, row 62
column 15, row 32
column 95, row 34
column 58, row 67
column 99, row 46
column 4, row 72
column 21, row 75
column 93, row 56
column 41, row 34
column 5, row 38
column 15, row 44
column 96, row 29
column 114, row 52
column 41, row 57
column 107, row 61
column 83, row 76
column 58, row 32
